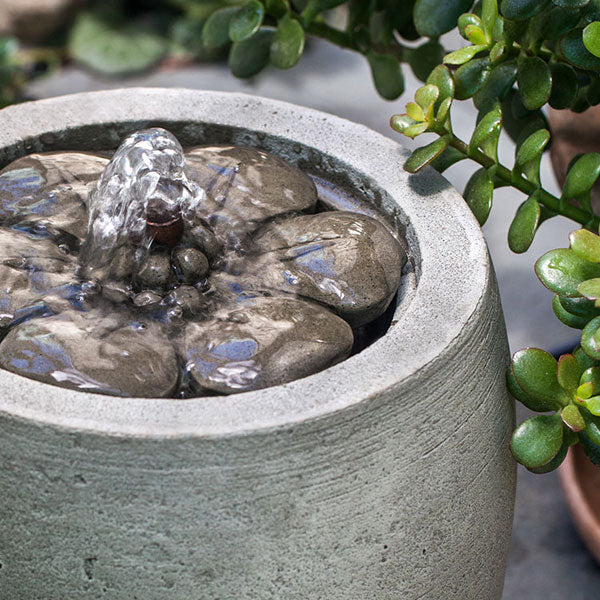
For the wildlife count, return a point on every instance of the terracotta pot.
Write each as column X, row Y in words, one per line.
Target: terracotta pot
column 581, row 482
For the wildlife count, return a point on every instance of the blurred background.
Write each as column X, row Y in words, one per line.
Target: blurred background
column 55, row 47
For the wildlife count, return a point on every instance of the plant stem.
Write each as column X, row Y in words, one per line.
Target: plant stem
column 527, row 187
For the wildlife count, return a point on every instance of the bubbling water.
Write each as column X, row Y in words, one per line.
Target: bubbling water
column 144, row 181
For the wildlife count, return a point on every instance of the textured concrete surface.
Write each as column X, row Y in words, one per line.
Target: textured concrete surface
column 376, row 479
column 547, row 560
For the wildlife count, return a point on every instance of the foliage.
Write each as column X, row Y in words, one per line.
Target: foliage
column 520, row 56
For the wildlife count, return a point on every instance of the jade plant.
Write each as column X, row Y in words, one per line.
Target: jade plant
column 517, row 57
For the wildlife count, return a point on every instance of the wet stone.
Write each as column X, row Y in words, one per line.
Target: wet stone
column 147, row 298
column 245, row 187
column 188, row 298
column 349, row 262
column 262, row 342
column 121, row 266
column 154, row 272
column 90, row 351
column 116, row 291
column 191, row 264
column 205, row 240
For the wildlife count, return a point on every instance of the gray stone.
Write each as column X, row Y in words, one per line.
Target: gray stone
column 385, row 476
column 116, row 291
column 147, row 298
column 245, row 187
column 262, row 342
column 154, row 272
column 191, row 264
column 202, row 237
column 347, row 261
column 88, row 351
column 188, row 298
column 122, row 263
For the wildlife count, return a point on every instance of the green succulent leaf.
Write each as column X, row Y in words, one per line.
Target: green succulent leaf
column 590, row 289
column 532, row 147
column 591, row 375
column 585, row 244
column 569, row 373
column 524, row 225
column 591, row 449
column 536, row 374
column 288, row 43
column 106, row 43
column 312, row 8
column 571, row 3
column 497, row 52
column 580, row 306
column 467, row 19
column 519, row 10
column 246, row 21
column 498, row 85
column 425, row 58
column 415, row 130
column 277, row 8
column 402, row 122
column 475, row 35
column 537, row 440
column 585, row 391
column 535, row 82
column 565, row 86
column 249, row 57
column 562, row 271
column 593, row 405
column 442, row 79
column 450, row 156
column 479, row 193
column 215, row 32
column 572, row 418
column 592, row 426
column 566, row 317
column 591, row 38
column 519, row 394
column 590, row 338
column 582, row 175
column 576, row 53
column 556, row 461
column 487, row 132
column 489, row 14
column 433, row 18
column 425, row 155
column 471, row 77
column 459, row 57
column 387, row 75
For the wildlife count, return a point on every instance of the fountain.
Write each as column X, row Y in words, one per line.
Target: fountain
column 200, row 272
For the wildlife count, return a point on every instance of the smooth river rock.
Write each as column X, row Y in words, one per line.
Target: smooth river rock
column 245, row 187
column 347, row 261
column 113, row 354
column 261, row 342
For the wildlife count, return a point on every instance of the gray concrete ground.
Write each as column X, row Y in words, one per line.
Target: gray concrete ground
column 547, row 559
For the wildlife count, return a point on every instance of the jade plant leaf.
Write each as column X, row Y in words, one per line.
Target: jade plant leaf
column 499, row 83
column 590, row 338
column 249, row 57
column 425, row 58
column 566, row 317
column 582, row 175
column 215, row 32
column 591, row 449
column 519, row 394
column 565, row 86
column 246, row 21
column 572, row 418
column 590, row 289
column 387, row 75
column 568, row 373
column 591, row 38
column 277, row 8
column 459, row 57
column 433, row 18
column 592, row 426
column 523, row 227
column 479, row 193
column 443, row 80
column 562, row 271
column 489, row 14
column 536, row 374
column 576, row 53
column 519, row 10
column 591, row 375
column 450, row 156
column 471, row 77
column 587, row 362
column 571, row 3
column 537, row 440
column 288, row 43
column 585, row 244
column 487, row 132
column 555, row 462
column 535, row 82
column 106, row 43
column 467, row 19
column 532, row 147
column 580, row 306
column 423, row 156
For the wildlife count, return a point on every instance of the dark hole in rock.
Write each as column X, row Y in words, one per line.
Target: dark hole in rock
column 164, row 273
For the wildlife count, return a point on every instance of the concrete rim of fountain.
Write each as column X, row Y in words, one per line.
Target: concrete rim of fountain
column 442, row 291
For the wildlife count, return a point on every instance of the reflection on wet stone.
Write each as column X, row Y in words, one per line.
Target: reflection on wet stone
column 161, row 273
